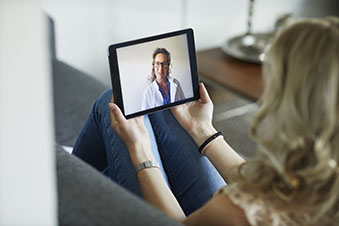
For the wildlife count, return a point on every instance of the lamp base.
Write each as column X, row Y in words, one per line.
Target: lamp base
column 248, row 47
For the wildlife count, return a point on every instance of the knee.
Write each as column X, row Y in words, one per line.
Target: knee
column 106, row 96
column 102, row 102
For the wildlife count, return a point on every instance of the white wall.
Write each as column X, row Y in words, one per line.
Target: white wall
column 27, row 164
column 84, row 28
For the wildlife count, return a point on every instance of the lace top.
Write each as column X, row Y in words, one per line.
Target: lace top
column 260, row 210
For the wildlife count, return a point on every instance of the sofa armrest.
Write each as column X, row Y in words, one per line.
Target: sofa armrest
column 86, row 197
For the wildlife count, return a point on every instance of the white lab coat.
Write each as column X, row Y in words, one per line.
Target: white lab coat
column 152, row 96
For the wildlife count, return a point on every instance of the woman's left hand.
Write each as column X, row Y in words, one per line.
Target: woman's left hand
column 132, row 132
column 196, row 116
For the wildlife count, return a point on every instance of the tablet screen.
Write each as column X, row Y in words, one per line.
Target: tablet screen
column 154, row 73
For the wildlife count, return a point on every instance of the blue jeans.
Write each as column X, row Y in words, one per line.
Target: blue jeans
column 191, row 177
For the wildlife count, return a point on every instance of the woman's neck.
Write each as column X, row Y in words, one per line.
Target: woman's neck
column 162, row 82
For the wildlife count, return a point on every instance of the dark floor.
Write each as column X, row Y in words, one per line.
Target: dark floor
column 232, row 115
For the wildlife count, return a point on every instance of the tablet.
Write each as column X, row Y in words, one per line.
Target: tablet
column 154, row 73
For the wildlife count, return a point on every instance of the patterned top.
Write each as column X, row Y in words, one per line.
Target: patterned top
column 260, row 210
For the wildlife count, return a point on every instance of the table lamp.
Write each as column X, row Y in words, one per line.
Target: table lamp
column 249, row 46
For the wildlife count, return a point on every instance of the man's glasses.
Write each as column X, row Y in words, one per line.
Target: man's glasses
column 163, row 64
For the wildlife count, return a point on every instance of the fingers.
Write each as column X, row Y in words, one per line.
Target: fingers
column 204, row 97
column 116, row 116
column 119, row 117
column 111, row 106
column 139, row 120
column 113, row 121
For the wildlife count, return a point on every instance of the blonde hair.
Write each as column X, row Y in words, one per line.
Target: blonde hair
column 297, row 124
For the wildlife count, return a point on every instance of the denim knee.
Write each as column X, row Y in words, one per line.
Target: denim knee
column 103, row 100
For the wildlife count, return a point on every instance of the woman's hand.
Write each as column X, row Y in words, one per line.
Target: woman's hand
column 196, row 117
column 133, row 133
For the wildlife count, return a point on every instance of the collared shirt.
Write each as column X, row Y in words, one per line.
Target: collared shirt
column 167, row 100
column 152, row 96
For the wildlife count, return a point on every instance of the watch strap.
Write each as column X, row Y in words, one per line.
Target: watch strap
column 146, row 164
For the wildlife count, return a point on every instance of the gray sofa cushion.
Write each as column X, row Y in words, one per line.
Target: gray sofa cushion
column 74, row 93
column 86, row 197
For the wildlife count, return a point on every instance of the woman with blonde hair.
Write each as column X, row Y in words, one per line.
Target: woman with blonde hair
column 293, row 180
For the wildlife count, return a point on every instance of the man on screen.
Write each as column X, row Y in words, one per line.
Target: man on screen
column 162, row 89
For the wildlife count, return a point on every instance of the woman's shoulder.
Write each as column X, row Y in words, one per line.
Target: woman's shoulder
column 151, row 85
column 175, row 81
column 148, row 91
column 258, row 208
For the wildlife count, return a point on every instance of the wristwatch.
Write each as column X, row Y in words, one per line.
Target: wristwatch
column 146, row 164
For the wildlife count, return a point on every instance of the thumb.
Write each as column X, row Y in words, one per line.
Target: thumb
column 116, row 115
column 204, row 97
column 177, row 108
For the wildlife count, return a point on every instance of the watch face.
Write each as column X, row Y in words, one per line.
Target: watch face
column 147, row 164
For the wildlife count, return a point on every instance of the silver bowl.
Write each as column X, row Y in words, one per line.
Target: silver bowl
column 248, row 47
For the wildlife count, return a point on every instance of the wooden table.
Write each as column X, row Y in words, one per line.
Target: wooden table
column 235, row 75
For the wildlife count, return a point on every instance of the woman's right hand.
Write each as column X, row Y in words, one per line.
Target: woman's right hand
column 133, row 133
column 196, row 117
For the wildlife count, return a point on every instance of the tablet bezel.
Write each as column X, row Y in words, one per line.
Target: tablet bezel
column 115, row 75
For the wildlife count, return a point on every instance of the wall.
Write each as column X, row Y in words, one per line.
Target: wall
column 85, row 28
column 27, row 164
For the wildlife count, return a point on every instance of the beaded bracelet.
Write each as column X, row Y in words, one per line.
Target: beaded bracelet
column 203, row 146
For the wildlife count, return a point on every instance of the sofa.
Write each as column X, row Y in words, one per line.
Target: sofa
column 85, row 196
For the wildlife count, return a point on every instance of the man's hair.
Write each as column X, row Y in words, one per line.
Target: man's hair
column 154, row 54
column 297, row 124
